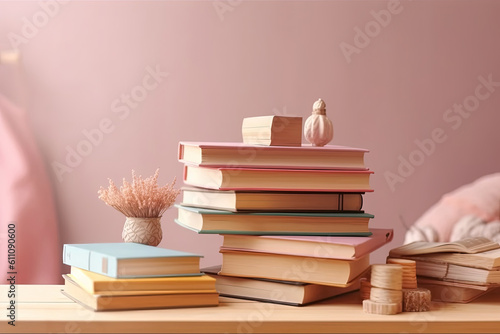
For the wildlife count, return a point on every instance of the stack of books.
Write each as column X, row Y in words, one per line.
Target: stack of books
column 291, row 216
column 457, row 271
column 124, row 276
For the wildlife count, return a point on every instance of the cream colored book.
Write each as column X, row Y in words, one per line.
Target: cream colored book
column 276, row 179
column 334, row 272
column 469, row 246
column 335, row 247
column 458, row 273
column 223, row 154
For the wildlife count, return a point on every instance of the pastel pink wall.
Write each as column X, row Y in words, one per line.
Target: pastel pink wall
column 229, row 60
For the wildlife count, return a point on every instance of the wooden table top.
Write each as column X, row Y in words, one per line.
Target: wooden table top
column 43, row 309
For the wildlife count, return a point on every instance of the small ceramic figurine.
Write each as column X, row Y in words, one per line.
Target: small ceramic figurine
column 318, row 128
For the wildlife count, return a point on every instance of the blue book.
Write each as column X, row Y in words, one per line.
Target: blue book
column 129, row 260
column 273, row 223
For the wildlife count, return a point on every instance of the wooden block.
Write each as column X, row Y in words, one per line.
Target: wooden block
column 385, row 295
column 416, row 300
column 409, row 271
column 410, row 284
column 365, row 288
column 387, row 276
column 381, row 308
column 272, row 130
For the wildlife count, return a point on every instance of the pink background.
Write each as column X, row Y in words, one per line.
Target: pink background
column 229, row 60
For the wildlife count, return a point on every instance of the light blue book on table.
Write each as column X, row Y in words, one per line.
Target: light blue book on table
column 129, row 260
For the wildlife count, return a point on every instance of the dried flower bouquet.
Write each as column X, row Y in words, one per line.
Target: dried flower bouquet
column 143, row 202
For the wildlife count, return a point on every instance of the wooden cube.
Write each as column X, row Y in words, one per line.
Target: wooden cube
column 272, row 130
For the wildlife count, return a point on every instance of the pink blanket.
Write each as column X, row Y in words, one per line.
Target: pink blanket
column 480, row 199
column 27, row 214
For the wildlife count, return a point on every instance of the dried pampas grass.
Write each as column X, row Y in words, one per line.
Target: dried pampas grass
column 142, row 198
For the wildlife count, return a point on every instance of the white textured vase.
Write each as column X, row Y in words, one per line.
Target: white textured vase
column 318, row 129
column 142, row 230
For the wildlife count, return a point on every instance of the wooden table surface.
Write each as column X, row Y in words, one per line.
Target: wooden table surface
column 43, row 309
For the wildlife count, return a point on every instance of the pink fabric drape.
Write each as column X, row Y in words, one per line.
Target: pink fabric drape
column 26, row 201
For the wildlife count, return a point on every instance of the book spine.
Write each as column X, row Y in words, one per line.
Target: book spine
column 88, row 260
column 184, row 173
column 77, row 257
column 180, row 152
column 345, row 202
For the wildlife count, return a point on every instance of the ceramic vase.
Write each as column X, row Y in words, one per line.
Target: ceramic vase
column 142, row 230
column 318, row 129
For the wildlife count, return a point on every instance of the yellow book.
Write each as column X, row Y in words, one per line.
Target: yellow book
column 100, row 302
column 97, row 283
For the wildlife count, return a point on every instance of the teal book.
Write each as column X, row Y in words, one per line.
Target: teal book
column 273, row 223
column 129, row 260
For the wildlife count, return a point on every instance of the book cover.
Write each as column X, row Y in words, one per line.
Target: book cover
column 468, row 245
column 97, row 283
column 223, row 154
column 273, row 223
column 489, row 260
column 343, row 247
column 458, row 273
column 274, row 291
column 323, row 271
column 287, row 201
column 269, row 179
column 130, row 260
column 100, row 302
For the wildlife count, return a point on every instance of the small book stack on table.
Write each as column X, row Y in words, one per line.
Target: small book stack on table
column 124, row 276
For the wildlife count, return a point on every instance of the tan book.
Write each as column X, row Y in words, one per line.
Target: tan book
column 274, row 179
column 323, row 271
column 138, row 301
column 488, row 260
column 272, row 130
column 225, row 154
column 274, row 291
column 457, row 273
column 338, row 247
column 101, row 284
column 271, row 200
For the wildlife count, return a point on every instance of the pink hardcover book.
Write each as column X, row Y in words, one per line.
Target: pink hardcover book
column 341, row 247
column 273, row 179
column 212, row 154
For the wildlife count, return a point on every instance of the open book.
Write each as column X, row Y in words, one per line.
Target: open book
column 469, row 246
